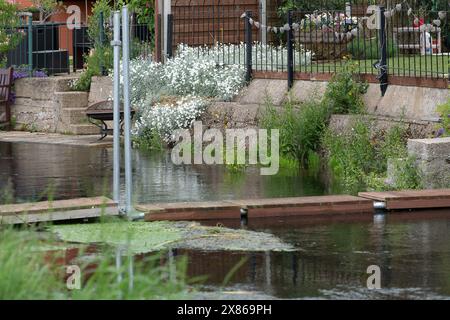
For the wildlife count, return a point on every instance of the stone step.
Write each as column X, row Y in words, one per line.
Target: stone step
column 63, row 84
column 72, row 99
column 83, row 129
column 75, row 116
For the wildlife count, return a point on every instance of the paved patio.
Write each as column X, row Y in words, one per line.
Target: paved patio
column 55, row 138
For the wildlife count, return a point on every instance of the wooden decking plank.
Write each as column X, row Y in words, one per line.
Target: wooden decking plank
column 57, row 210
column 272, row 207
column 411, row 199
column 378, row 196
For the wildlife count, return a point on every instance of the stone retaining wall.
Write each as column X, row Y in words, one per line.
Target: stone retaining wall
column 433, row 159
column 48, row 105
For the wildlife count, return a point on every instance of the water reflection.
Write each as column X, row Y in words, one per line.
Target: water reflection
column 332, row 261
column 35, row 171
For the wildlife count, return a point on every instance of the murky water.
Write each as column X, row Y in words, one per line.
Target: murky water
column 411, row 249
column 35, row 171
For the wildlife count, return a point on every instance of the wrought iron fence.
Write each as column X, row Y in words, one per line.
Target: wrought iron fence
column 393, row 39
column 58, row 48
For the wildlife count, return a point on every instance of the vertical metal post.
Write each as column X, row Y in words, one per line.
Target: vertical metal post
column 169, row 35
column 383, row 71
column 126, row 105
column 263, row 15
column 30, row 44
column 116, row 107
column 290, row 51
column 101, row 41
column 248, row 46
column 101, row 30
column 158, row 45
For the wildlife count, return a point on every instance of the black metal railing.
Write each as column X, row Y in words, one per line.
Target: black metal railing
column 56, row 47
column 392, row 39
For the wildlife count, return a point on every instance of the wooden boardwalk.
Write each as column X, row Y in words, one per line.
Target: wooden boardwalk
column 258, row 208
column 58, row 210
column 411, row 199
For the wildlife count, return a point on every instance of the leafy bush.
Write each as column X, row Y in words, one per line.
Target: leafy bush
column 8, row 21
column 344, row 93
column 100, row 6
column 99, row 59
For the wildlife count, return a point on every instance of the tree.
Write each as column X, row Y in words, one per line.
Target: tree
column 47, row 8
column 9, row 20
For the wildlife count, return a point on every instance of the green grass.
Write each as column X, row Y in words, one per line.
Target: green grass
column 414, row 66
column 29, row 272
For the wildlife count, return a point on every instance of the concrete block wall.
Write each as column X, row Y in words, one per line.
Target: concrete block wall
column 433, row 160
column 409, row 103
column 48, row 105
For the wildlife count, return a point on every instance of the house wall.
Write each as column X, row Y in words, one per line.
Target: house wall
column 205, row 22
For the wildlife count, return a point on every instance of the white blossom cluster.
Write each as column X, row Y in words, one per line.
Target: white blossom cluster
column 192, row 77
column 164, row 119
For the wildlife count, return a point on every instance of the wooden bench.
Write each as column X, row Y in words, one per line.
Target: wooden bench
column 6, row 82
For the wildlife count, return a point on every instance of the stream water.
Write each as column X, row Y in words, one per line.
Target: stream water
column 411, row 249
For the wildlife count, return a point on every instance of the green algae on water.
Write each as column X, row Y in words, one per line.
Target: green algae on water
column 141, row 237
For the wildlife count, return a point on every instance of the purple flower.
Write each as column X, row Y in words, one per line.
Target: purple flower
column 20, row 73
column 440, row 132
column 12, row 97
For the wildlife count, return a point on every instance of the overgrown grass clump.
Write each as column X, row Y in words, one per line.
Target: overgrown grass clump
column 29, row 271
column 359, row 159
column 301, row 128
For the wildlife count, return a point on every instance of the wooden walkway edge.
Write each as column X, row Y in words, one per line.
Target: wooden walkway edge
column 411, row 199
column 257, row 208
column 58, row 210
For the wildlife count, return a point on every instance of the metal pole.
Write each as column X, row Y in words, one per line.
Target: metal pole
column 30, row 44
column 290, row 51
column 116, row 150
column 169, row 35
column 101, row 41
column 248, row 45
column 126, row 103
column 383, row 73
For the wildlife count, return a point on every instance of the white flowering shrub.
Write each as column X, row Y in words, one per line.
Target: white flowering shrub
column 265, row 57
column 195, row 75
column 163, row 119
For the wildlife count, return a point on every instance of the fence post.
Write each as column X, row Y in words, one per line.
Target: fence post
column 248, row 45
column 101, row 40
column 169, row 35
column 158, row 42
column 383, row 68
column 290, row 51
column 30, row 45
